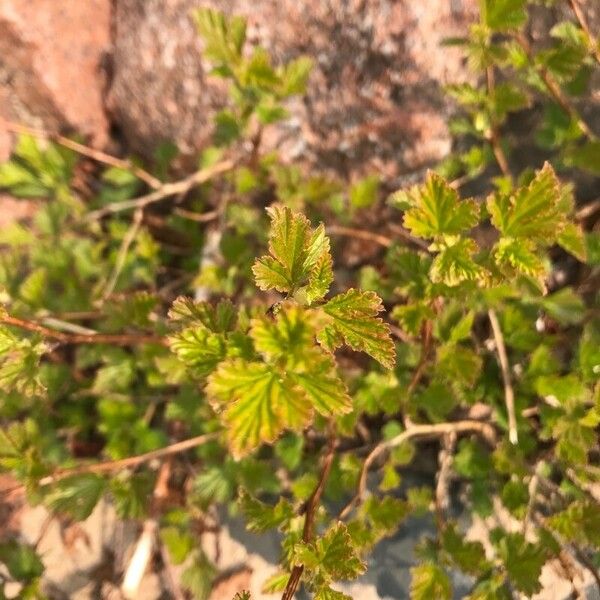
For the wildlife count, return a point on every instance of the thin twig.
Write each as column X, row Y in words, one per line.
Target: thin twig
column 168, row 189
column 362, row 234
column 590, row 39
column 206, row 217
column 309, row 520
column 415, row 431
column 509, row 394
column 92, row 153
column 588, row 210
column 136, row 223
column 116, row 339
column 131, row 461
column 494, row 134
column 407, row 237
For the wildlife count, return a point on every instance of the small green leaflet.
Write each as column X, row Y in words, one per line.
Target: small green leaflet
column 429, row 581
column 519, row 255
column 578, row 523
column 299, row 260
column 261, row 517
column 218, row 319
column 290, row 340
column 523, row 562
column 455, row 264
column 351, row 318
column 261, row 403
column 287, row 336
column 436, row 209
column 76, row 496
column 329, row 558
column 503, row 15
column 199, row 349
column 537, row 212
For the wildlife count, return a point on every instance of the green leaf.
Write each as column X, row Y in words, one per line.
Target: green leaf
column 519, row 256
column 572, row 239
column 198, row 577
column 295, row 76
column 412, row 316
column 288, row 336
column 458, row 363
column 436, row 210
column 504, row 15
column 199, row 349
column 565, row 306
column 352, row 318
column 259, row 403
column 223, row 37
column 320, row 277
column 536, row 212
column 579, row 523
column 179, row 543
column 364, row 193
column 327, row 593
column 218, row 319
column 455, row 265
column 261, row 517
column 384, row 515
column 298, row 256
column 469, row 556
column 429, row 581
column 586, row 156
column 132, row 494
column 21, row 560
column 276, row 583
column 322, row 385
column 523, row 562
column 331, row 557
column 76, row 496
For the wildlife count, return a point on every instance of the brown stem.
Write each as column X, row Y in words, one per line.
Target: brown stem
column 494, row 133
column 581, row 18
column 415, row 431
column 168, row 189
column 131, row 461
column 92, row 153
column 362, row 234
column 117, row 339
column 309, row 520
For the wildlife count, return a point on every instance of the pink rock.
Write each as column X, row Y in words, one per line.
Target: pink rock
column 374, row 99
column 51, row 54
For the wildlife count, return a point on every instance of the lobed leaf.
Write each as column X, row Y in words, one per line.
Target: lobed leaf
column 261, row 403
column 536, row 212
column 429, row 581
column 352, row 318
column 436, row 209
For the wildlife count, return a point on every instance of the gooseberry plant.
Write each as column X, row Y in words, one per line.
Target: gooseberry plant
column 157, row 362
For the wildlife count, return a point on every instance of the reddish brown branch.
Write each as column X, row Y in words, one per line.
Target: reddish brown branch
column 309, row 521
column 590, row 38
column 116, row 339
column 415, row 431
column 92, row 153
column 131, row 461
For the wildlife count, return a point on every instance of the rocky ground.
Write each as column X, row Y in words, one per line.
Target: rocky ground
column 127, row 75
